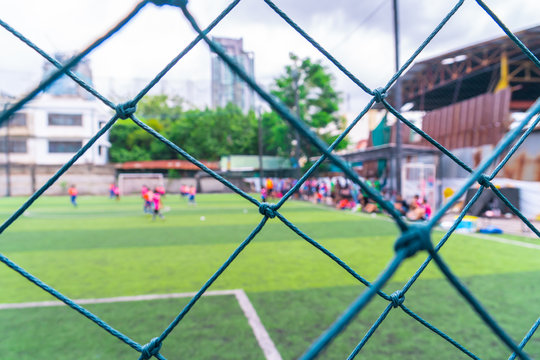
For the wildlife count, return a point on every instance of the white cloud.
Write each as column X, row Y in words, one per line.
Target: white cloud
column 364, row 44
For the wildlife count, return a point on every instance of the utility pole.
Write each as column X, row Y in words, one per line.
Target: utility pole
column 296, row 78
column 8, row 167
column 397, row 99
column 260, row 131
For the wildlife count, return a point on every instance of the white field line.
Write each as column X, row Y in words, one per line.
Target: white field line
column 506, row 241
column 263, row 338
column 479, row 236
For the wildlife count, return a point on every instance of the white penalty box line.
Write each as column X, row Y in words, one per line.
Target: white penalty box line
column 261, row 335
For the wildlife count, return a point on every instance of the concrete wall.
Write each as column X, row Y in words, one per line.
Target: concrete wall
column 89, row 179
column 93, row 180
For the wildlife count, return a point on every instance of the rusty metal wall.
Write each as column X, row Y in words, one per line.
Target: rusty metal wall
column 478, row 121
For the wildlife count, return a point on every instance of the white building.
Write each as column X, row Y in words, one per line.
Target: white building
column 50, row 129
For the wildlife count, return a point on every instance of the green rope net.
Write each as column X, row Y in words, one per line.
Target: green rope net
column 413, row 238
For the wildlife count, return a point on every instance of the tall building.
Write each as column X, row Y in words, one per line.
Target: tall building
column 227, row 87
column 52, row 127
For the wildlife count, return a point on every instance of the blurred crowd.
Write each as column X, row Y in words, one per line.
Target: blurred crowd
column 343, row 194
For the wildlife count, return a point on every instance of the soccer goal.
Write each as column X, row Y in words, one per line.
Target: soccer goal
column 131, row 183
column 419, row 179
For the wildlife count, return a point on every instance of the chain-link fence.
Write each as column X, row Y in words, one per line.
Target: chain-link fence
column 413, row 238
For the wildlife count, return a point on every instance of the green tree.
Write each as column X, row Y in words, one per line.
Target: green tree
column 208, row 134
column 307, row 88
column 205, row 134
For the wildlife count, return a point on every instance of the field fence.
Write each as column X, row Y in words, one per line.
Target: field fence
column 413, row 238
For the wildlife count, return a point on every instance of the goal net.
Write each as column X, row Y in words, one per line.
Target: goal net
column 131, row 183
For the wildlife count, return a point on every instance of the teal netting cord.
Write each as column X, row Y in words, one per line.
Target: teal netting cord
column 341, row 323
column 193, row 160
column 506, row 141
column 57, row 64
column 317, row 46
column 513, row 37
column 526, row 338
column 468, row 206
column 397, row 298
column 443, row 240
column 413, row 238
column 514, row 210
column 426, row 136
column 417, row 238
column 475, row 304
column 424, row 44
column 330, row 255
column 323, row 156
column 379, row 94
column 484, row 181
column 70, row 303
column 285, row 113
column 126, row 110
column 370, row 332
column 438, row 332
column 519, row 142
column 268, row 210
column 55, row 177
column 150, row 349
column 177, row 58
column 177, row 3
column 444, row 268
column 72, row 62
column 210, row 281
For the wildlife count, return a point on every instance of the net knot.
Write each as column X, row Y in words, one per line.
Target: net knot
column 379, row 94
column 150, row 349
column 177, row 3
column 267, row 210
column 483, row 180
column 397, row 298
column 416, row 238
column 125, row 110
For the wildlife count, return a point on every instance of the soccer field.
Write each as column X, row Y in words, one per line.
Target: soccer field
column 106, row 249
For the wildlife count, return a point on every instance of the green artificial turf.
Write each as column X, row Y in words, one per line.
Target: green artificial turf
column 107, row 248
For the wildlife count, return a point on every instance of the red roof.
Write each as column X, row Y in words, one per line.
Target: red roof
column 166, row 164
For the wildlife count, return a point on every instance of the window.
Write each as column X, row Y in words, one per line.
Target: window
column 65, row 119
column 15, row 146
column 64, row 146
column 18, row 119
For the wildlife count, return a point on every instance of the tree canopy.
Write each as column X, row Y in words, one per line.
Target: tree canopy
column 210, row 133
column 205, row 134
column 307, row 88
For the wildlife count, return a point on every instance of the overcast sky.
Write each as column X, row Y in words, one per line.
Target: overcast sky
column 358, row 33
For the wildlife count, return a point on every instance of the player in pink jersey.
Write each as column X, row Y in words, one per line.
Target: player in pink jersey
column 156, row 199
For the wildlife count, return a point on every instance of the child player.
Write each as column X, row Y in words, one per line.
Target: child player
column 192, row 193
column 156, row 199
column 72, row 191
column 148, row 197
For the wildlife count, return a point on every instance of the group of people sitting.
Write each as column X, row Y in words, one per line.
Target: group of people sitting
column 343, row 194
column 417, row 209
